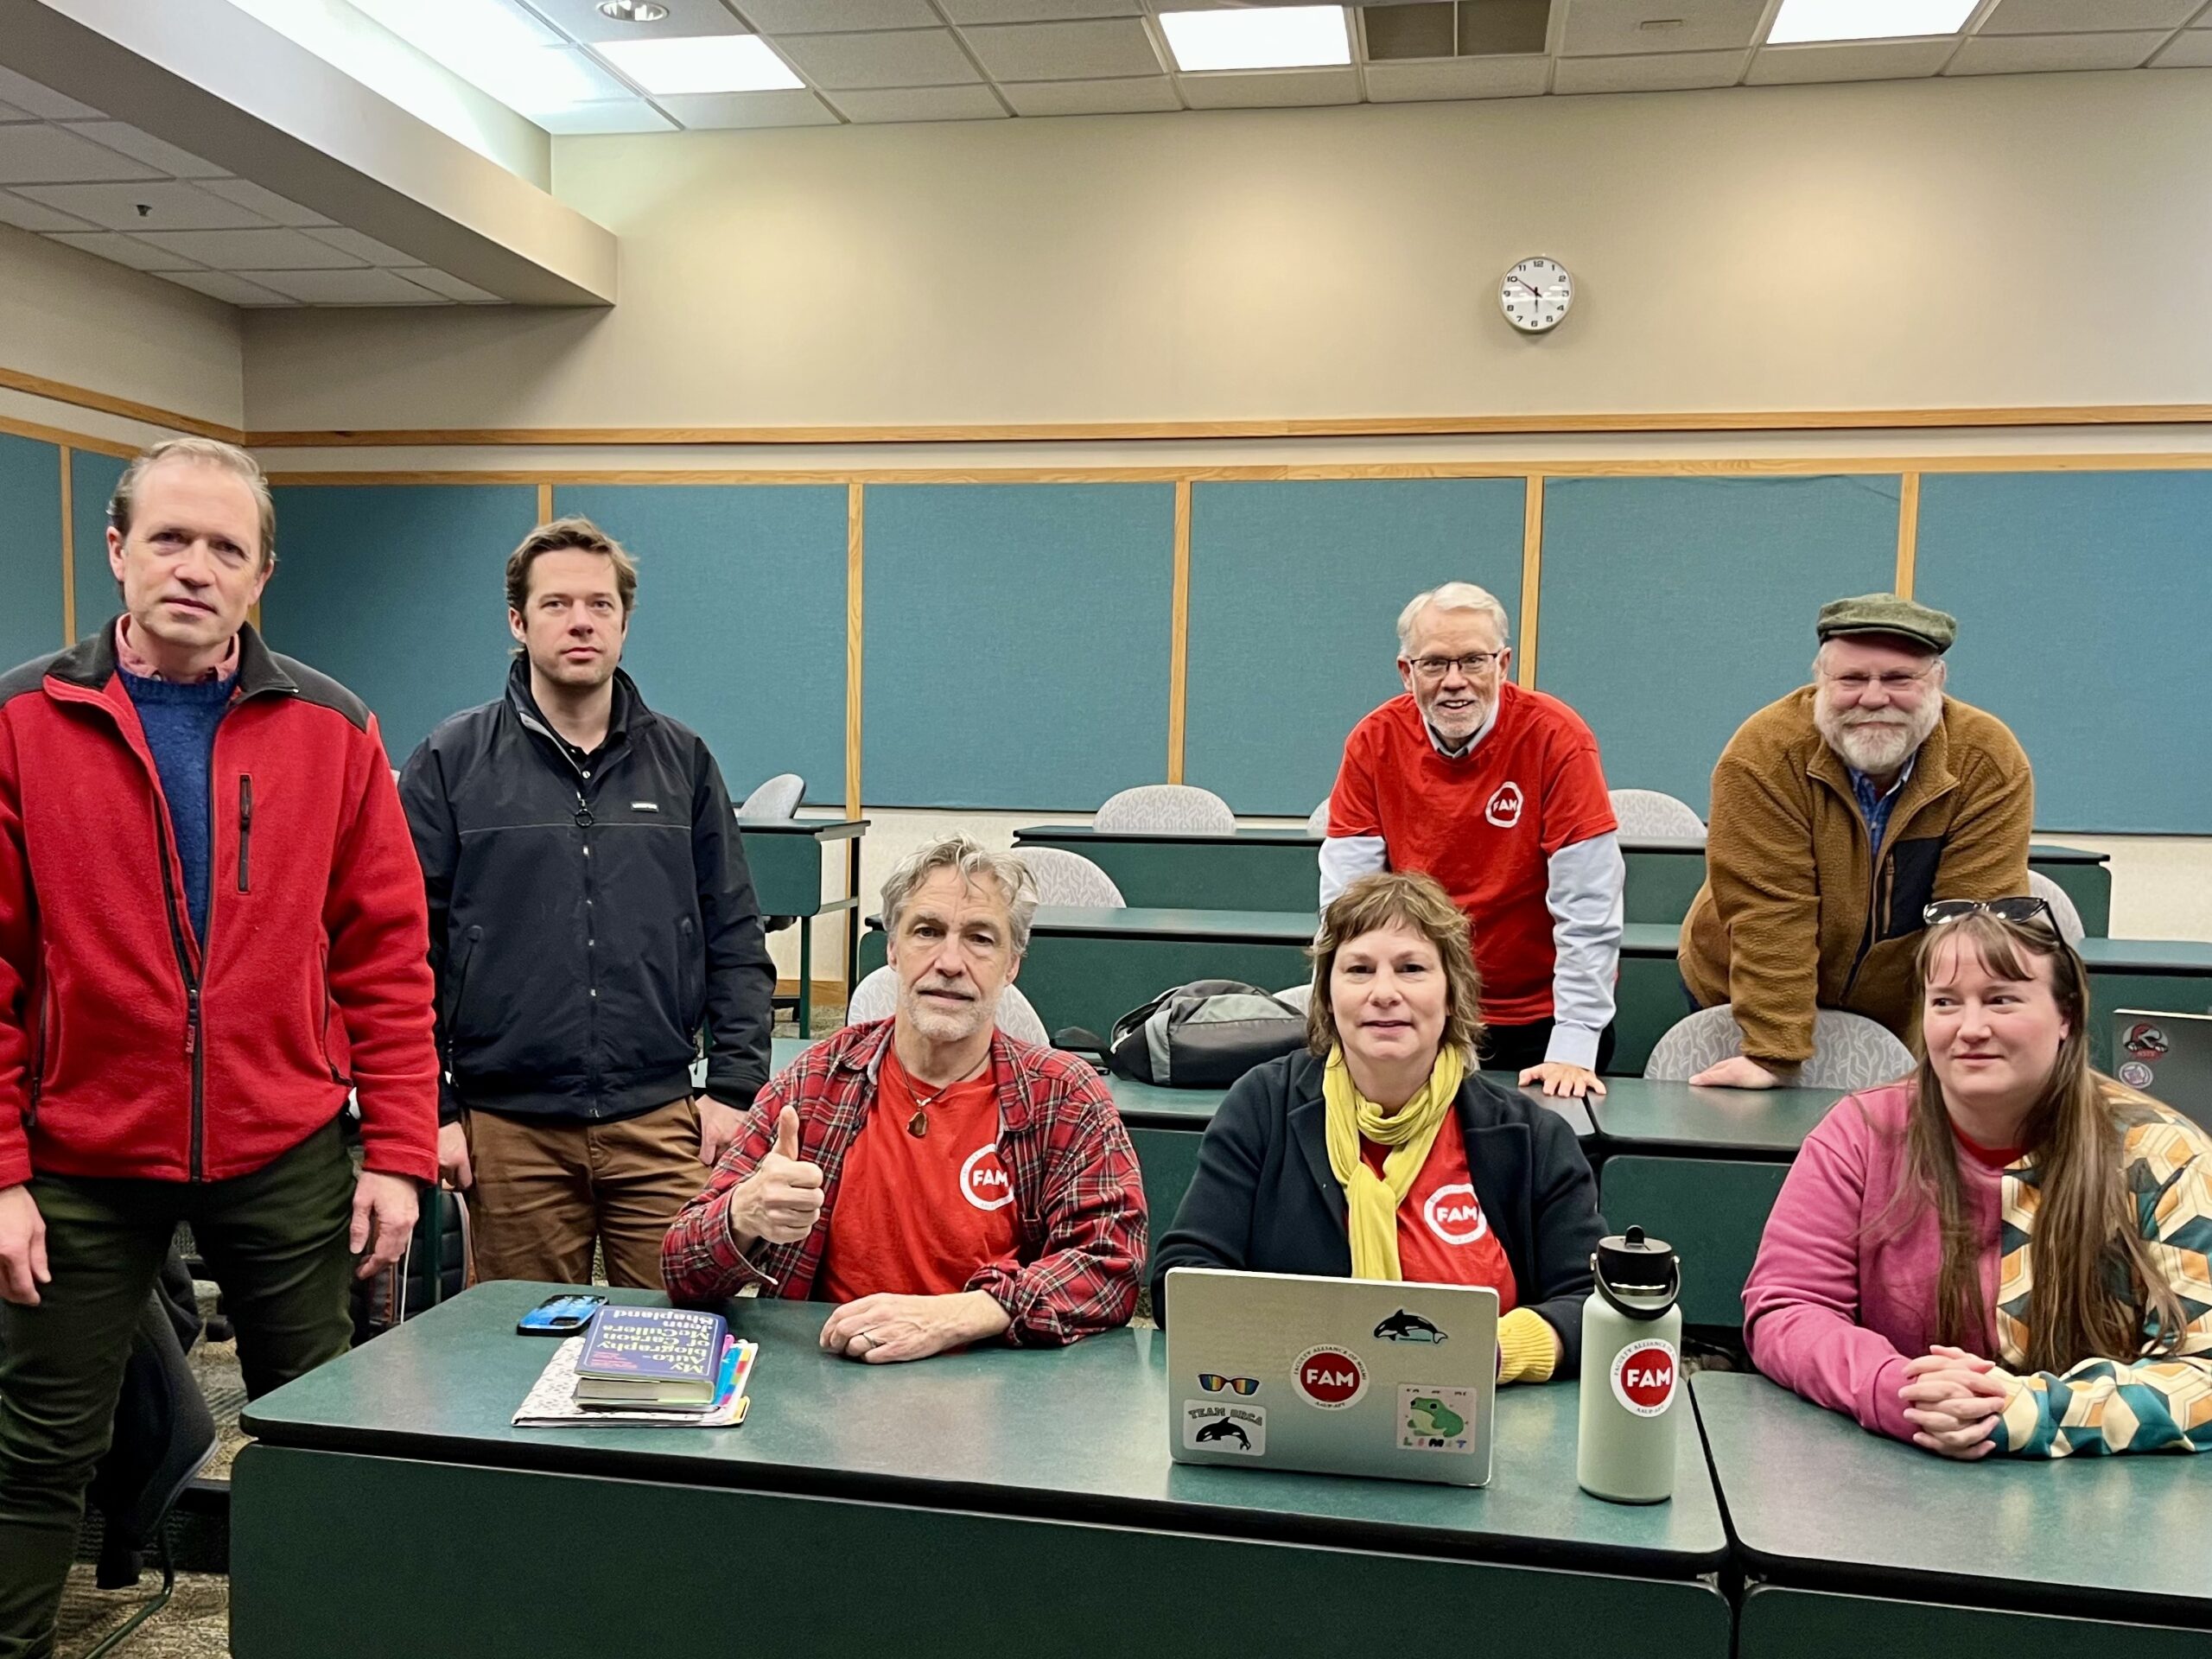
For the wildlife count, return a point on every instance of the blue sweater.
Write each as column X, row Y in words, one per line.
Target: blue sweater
column 180, row 722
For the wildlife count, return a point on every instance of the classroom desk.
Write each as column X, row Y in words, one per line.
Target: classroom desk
column 1253, row 869
column 1665, row 872
column 1000, row 1500
column 1858, row 1544
column 785, row 857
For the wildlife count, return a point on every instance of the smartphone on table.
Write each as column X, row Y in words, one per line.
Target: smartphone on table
column 561, row 1315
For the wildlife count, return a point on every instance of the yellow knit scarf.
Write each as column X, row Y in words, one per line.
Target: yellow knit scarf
column 1409, row 1132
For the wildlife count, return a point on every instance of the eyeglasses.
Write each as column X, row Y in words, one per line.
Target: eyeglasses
column 1473, row 664
column 1212, row 1382
column 1894, row 683
column 2026, row 912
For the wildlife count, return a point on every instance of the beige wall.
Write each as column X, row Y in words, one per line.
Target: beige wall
column 85, row 321
column 2035, row 239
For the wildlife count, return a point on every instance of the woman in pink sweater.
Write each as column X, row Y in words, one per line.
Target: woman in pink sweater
column 2006, row 1252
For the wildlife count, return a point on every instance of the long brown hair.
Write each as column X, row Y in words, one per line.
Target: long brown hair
column 2097, row 1289
column 1381, row 900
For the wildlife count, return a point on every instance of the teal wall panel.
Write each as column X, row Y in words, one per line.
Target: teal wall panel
column 2084, row 602
column 1295, row 591
column 1017, row 643
column 399, row 592
column 30, row 558
column 1675, row 607
column 740, row 630
column 93, row 479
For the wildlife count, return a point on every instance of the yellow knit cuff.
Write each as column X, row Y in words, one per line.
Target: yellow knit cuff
column 1527, row 1347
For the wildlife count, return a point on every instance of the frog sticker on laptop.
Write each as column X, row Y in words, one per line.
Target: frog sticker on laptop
column 1435, row 1419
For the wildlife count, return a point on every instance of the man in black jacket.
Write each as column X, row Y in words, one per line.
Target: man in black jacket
column 590, row 909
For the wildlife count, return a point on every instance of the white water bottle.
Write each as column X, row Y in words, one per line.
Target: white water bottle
column 1632, row 1370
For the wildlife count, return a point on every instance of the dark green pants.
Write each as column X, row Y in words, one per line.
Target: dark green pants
column 276, row 1240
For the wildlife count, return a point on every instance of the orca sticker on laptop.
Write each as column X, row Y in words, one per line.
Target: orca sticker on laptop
column 1209, row 1425
column 1328, row 1377
column 1405, row 1326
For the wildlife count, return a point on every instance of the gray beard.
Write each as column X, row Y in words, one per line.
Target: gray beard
column 1882, row 747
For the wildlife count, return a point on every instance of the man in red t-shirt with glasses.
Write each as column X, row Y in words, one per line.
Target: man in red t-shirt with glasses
column 940, row 1182
column 1496, row 792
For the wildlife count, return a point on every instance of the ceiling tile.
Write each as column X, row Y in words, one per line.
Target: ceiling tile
column 221, row 285
column 1511, row 77
column 27, row 216
column 249, row 251
column 171, row 206
column 31, row 97
column 2013, row 54
column 144, row 147
column 126, row 251
column 1035, row 11
column 816, row 16
column 2191, row 49
column 56, row 155
column 345, row 287
column 2080, row 16
column 705, row 112
column 1596, row 28
column 1270, row 89
column 363, row 247
column 453, row 287
column 1798, row 65
column 614, row 115
column 1663, row 71
column 271, row 206
column 917, row 57
column 921, row 103
column 1097, row 50
column 1154, row 93
column 582, row 20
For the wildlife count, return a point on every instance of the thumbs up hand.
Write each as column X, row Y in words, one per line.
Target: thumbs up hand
column 781, row 1200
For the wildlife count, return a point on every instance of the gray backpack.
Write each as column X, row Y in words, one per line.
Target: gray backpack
column 1204, row 1035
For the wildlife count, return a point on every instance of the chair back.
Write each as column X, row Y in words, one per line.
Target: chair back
column 1167, row 806
column 1066, row 878
column 876, row 997
column 777, row 799
column 2061, row 906
column 1651, row 812
column 1849, row 1049
column 1317, row 821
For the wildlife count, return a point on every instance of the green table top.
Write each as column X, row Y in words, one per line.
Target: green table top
column 1140, row 922
column 1813, row 1498
column 815, row 829
column 2146, row 956
column 1652, row 939
column 1642, row 1114
column 1075, row 1434
column 2039, row 852
column 1078, row 833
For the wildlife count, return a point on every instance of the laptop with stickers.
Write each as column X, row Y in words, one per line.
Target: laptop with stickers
column 2168, row 1056
column 1336, row 1376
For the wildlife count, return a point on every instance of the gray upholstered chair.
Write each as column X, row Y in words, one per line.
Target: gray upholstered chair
column 876, row 997
column 1167, row 806
column 777, row 799
column 1317, row 821
column 1849, row 1049
column 1066, row 878
column 1651, row 812
column 1297, row 996
column 2062, row 907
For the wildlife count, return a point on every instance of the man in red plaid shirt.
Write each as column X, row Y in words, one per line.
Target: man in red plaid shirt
column 940, row 1182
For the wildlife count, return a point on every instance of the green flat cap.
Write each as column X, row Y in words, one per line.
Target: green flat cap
column 1888, row 613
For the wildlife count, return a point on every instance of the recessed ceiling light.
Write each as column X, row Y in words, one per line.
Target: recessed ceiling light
column 1268, row 37
column 1867, row 20
column 706, row 63
column 632, row 11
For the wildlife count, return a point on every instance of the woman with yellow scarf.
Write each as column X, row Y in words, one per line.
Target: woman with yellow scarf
column 1380, row 1155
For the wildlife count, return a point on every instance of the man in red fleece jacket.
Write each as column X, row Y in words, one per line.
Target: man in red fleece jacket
column 211, row 926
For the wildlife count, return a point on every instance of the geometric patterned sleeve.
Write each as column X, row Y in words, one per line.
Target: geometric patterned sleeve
column 2159, row 1403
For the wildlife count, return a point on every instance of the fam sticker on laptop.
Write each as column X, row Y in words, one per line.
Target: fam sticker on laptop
column 1328, row 1377
column 1209, row 1426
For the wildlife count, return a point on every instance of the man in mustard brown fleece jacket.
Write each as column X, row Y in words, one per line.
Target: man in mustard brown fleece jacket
column 1838, row 813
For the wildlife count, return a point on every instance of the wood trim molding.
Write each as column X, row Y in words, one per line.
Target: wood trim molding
column 62, row 392
column 1425, row 426
column 1178, row 634
column 16, row 428
column 856, row 506
column 1908, row 533
column 68, row 553
column 545, row 502
column 1532, row 578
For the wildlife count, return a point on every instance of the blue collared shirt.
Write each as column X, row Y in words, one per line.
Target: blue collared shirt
column 1874, row 808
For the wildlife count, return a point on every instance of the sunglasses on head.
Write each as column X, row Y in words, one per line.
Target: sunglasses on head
column 2024, row 911
column 1214, row 1383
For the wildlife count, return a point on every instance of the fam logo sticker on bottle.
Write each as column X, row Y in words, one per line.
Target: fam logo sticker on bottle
column 1329, row 1377
column 1644, row 1374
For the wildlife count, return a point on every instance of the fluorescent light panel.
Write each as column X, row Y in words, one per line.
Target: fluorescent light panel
column 1271, row 37
column 706, row 63
column 1803, row 21
column 501, row 50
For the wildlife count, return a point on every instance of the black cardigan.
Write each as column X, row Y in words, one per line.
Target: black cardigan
column 1265, row 1199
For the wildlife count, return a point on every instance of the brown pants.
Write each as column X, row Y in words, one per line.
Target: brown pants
column 545, row 1191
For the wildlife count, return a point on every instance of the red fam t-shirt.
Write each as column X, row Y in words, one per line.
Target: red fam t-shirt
column 917, row 1216
column 1444, row 1237
column 1483, row 825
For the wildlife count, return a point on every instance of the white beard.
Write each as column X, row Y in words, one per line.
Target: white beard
column 1877, row 745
